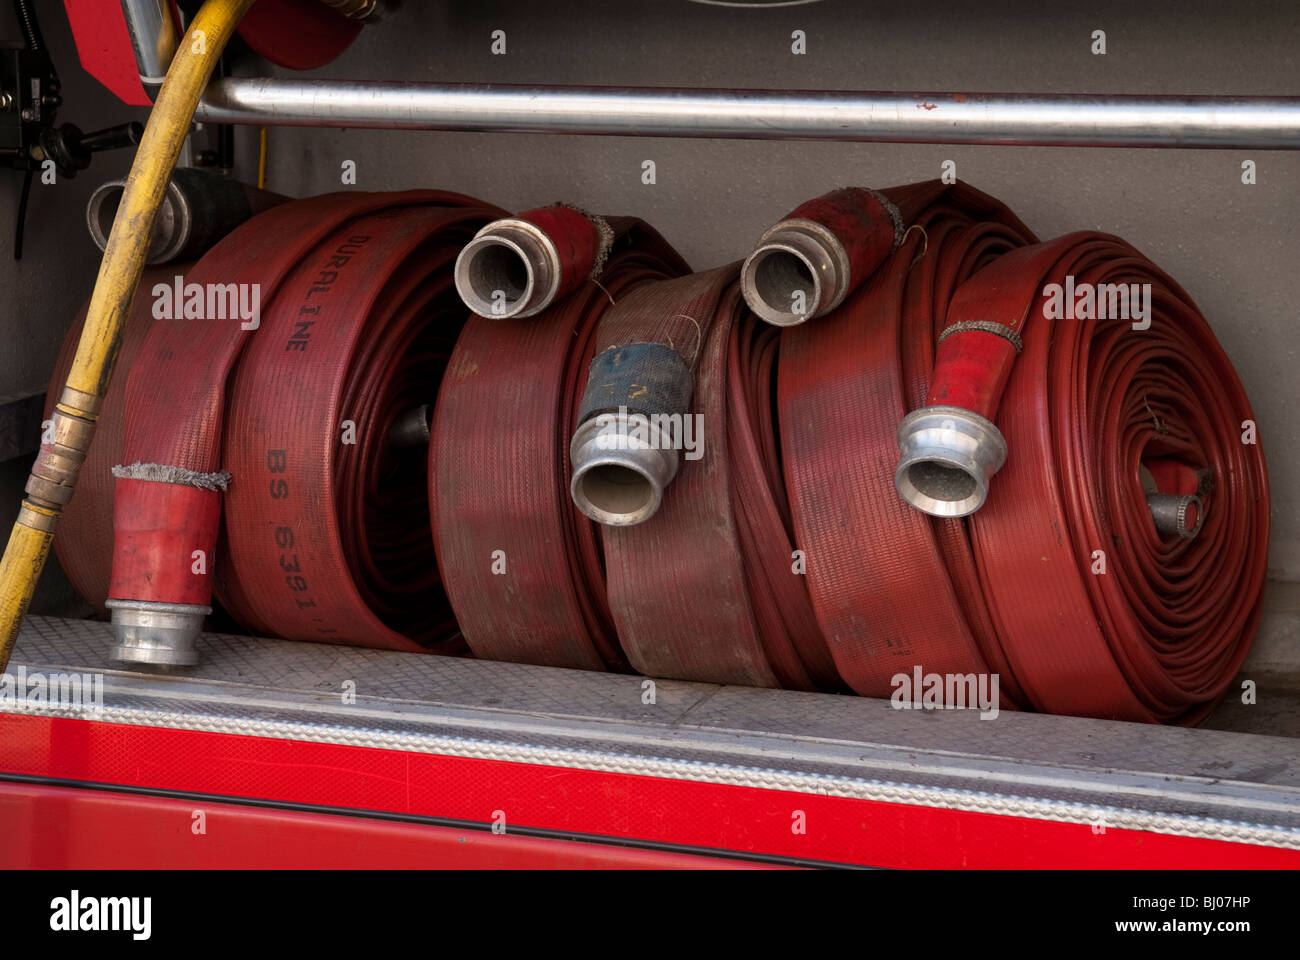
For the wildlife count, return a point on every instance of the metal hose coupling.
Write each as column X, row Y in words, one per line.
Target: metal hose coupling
column 1176, row 515
column 166, row 521
column 411, row 428
column 626, row 448
column 519, row 266
column 49, row 490
column 798, row 271
column 948, row 455
column 54, row 475
column 161, row 634
column 198, row 209
column 805, row 265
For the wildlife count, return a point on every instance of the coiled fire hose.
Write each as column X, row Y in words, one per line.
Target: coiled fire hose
column 982, row 472
column 717, row 553
column 785, row 555
column 326, row 527
column 1064, row 584
column 55, row 474
column 521, row 565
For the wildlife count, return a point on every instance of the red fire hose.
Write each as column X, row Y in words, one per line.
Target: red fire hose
column 521, row 565
column 85, row 549
column 717, row 553
column 298, row 34
column 326, row 525
column 782, row 555
column 1061, row 584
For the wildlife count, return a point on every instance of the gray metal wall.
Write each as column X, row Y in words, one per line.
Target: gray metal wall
column 1233, row 246
column 40, row 293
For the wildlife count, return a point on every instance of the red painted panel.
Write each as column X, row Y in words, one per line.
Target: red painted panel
column 654, row 809
column 95, row 829
column 104, row 46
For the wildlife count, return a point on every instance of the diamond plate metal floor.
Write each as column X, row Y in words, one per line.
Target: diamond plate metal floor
column 1205, row 783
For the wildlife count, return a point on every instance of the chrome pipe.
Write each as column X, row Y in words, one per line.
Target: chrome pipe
column 1270, row 123
column 152, row 31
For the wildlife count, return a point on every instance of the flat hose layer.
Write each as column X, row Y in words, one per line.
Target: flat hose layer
column 521, row 565
column 1061, row 584
column 774, row 569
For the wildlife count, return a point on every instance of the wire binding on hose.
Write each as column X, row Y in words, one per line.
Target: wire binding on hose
column 162, row 473
column 984, row 326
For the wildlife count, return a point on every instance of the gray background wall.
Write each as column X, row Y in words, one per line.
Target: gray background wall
column 1234, row 247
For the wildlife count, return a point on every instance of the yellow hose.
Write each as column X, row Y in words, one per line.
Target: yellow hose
column 55, row 473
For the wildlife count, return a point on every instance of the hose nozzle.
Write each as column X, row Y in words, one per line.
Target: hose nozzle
column 948, row 456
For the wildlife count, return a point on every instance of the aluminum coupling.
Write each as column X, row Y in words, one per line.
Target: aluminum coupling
column 510, row 269
column 199, row 208
column 622, row 462
column 798, row 270
column 948, row 455
column 805, row 265
column 628, row 443
column 160, row 634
